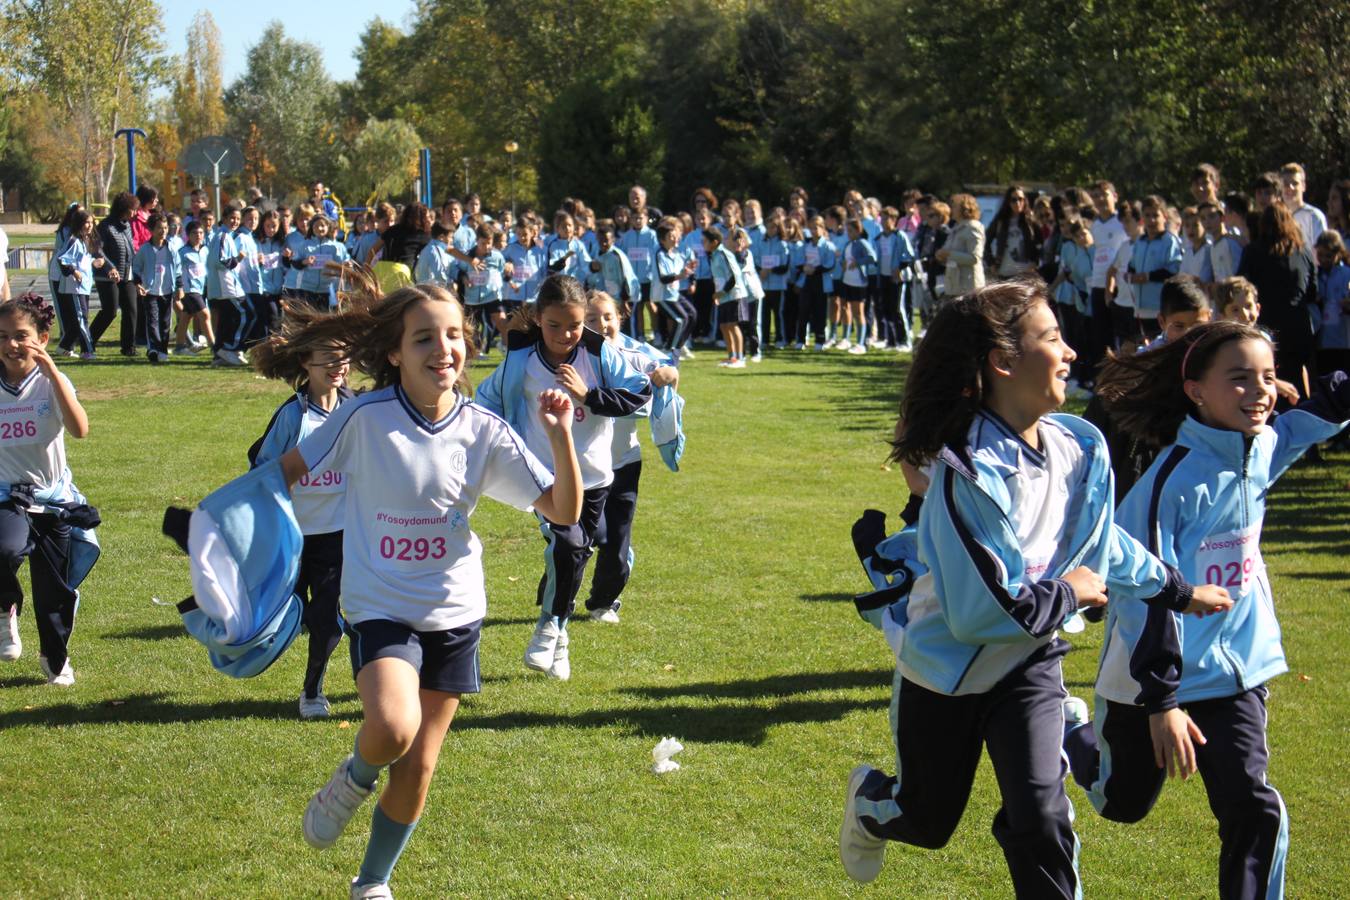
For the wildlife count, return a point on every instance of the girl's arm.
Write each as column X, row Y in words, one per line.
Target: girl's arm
column 73, row 416
column 561, row 503
column 1317, row 419
column 293, row 466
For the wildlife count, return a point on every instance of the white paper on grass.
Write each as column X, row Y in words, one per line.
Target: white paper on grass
column 662, row 753
column 217, row 583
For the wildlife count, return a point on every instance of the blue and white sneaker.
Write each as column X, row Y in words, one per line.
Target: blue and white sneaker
column 371, row 891
column 1076, row 714
column 333, row 806
column 11, row 647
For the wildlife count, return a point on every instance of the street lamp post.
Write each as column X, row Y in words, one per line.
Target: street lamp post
column 465, row 160
column 511, row 148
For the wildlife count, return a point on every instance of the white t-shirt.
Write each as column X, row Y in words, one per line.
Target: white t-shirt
column 1312, row 223
column 624, row 446
column 1107, row 239
column 1124, row 290
column 590, row 433
column 408, row 552
column 32, row 435
column 318, row 495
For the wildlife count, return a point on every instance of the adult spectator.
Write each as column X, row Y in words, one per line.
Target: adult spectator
column 318, row 195
column 148, row 198
column 113, row 281
column 963, row 254
column 1013, row 248
column 1281, row 267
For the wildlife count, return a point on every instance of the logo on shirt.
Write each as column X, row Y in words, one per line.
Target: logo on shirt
column 458, row 521
column 459, row 461
column 44, row 409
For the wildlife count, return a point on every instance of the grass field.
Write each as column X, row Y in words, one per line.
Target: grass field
column 155, row 776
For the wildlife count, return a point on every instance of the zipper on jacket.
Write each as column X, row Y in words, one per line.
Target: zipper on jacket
column 1233, row 664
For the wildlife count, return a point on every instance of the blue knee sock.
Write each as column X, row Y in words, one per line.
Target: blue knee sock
column 363, row 773
column 387, row 840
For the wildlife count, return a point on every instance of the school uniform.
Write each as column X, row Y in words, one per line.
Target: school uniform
column 615, row 389
column 315, row 280
column 640, row 246
column 616, row 277
column 895, row 266
column 483, row 292
column 705, row 328
column 1333, row 338
column 1108, row 236
column 977, row 646
column 43, row 517
column 1225, row 256
column 319, row 502
column 68, row 319
column 1200, row 507
column 192, row 278
column 1159, row 258
column 76, row 265
column 816, row 287
column 435, row 265
column 271, row 280
column 729, row 285
column 155, row 268
column 670, row 300
column 225, row 293
column 295, row 242
column 775, row 262
column 754, row 301
column 613, row 534
column 528, row 268
column 1196, row 261
column 556, row 251
column 412, row 575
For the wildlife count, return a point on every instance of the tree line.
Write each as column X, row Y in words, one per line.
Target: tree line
column 749, row 96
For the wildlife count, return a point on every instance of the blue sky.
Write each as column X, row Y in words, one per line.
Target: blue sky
column 334, row 26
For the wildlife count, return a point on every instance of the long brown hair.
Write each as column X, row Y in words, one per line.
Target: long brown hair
column 366, row 325
column 946, row 386
column 1278, row 231
column 1143, row 392
column 556, row 290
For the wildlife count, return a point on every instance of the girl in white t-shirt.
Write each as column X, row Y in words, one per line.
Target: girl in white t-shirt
column 37, row 408
column 415, row 455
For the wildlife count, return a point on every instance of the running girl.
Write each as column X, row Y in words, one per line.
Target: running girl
column 1176, row 696
column 1015, row 529
column 548, row 348
column 415, row 456
column 37, row 408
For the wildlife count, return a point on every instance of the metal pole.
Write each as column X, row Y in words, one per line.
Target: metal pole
column 215, row 183
column 466, row 176
column 131, row 154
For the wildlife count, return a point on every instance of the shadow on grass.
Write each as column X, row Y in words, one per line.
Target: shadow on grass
column 21, row 681
column 717, row 723
column 523, row 620
column 154, row 709
column 772, row 686
column 827, row 597
column 150, row 633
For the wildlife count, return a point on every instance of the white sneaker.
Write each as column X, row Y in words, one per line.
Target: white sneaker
column 371, row 891
column 861, row 852
column 857, row 350
column 875, row 344
column 906, row 347
column 736, row 364
column 11, row 648
column 757, row 358
column 315, row 708
column 608, row 614
column 562, row 665
column 827, row 345
column 64, row 678
column 333, row 806
column 543, row 646
column 686, row 353
column 1075, row 713
column 843, row 345
column 70, row 354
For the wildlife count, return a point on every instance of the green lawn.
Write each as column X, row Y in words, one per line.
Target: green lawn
column 155, row 776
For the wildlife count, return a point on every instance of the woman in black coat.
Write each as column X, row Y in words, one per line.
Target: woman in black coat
column 1282, row 268
column 115, row 287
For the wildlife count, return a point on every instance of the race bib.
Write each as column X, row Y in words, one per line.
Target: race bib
column 325, row 482
column 768, row 261
column 1231, row 559
column 638, row 255
column 1102, row 259
column 813, row 256
column 522, row 272
column 269, row 260
column 478, row 279
column 410, row 542
column 23, row 430
column 196, row 270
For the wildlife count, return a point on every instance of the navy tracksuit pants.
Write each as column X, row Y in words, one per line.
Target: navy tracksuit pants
column 613, row 537
column 1124, row 782
column 938, row 739
column 45, row 542
column 319, row 586
column 569, row 549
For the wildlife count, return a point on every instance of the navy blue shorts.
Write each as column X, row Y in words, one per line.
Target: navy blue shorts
column 446, row 660
column 193, row 303
column 732, row 312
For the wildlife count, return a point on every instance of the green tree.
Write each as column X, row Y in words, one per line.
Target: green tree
column 197, row 100
column 381, row 163
column 286, row 101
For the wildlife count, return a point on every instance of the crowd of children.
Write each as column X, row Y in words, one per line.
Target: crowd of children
column 1177, row 320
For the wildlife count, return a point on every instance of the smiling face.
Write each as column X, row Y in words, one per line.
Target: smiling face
column 319, row 229
column 561, row 325
column 602, row 316
column 1237, row 391
column 18, row 334
column 327, row 369
column 1033, row 382
column 432, row 352
column 604, row 240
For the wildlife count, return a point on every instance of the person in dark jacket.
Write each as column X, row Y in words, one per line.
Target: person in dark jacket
column 1282, row 268
column 115, row 287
